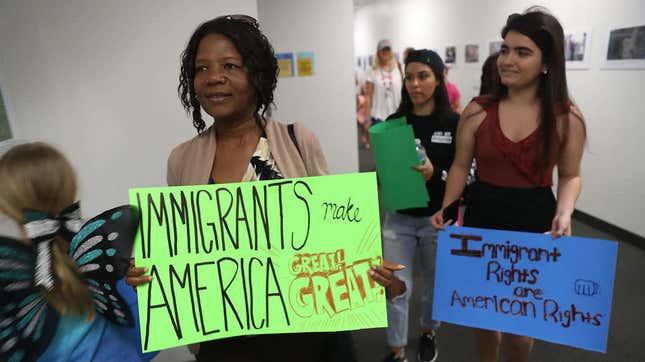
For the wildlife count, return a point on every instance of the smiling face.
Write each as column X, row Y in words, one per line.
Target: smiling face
column 519, row 61
column 221, row 80
column 420, row 82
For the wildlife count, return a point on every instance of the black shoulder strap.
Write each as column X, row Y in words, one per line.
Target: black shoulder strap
column 292, row 135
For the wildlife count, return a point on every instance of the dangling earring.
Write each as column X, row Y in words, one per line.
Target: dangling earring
column 545, row 71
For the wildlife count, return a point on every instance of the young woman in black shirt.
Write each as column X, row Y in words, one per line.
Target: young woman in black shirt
column 424, row 102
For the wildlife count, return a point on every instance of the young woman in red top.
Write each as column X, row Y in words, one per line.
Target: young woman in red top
column 518, row 134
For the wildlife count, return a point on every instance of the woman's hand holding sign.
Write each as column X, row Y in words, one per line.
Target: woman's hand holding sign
column 134, row 276
column 384, row 275
column 445, row 216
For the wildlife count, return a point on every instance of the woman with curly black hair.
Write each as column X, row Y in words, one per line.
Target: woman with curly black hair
column 255, row 58
column 229, row 70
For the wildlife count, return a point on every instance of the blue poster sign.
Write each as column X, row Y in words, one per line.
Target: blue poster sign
column 528, row 284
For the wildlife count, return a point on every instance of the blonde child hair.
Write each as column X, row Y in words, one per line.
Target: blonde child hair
column 37, row 176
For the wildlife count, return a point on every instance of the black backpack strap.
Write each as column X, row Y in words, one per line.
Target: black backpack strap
column 292, row 135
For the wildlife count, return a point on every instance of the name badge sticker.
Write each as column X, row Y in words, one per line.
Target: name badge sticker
column 442, row 137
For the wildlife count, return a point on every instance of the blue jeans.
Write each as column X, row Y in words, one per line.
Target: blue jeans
column 402, row 236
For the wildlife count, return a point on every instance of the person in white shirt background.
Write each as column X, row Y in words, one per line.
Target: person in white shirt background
column 383, row 85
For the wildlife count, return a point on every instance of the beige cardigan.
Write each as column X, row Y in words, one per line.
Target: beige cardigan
column 190, row 162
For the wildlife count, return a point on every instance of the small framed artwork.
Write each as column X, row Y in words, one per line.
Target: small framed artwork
column 625, row 48
column 450, row 55
column 285, row 65
column 494, row 46
column 471, row 55
column 305, row 64
column 577, row 45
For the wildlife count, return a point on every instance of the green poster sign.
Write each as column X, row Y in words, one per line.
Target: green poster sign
column 395, row 154
column 281, row 256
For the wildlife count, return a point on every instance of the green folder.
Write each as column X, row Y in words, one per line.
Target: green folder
column 394, row 153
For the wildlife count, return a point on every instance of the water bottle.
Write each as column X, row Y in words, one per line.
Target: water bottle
column 421, row 151
column 471, row 174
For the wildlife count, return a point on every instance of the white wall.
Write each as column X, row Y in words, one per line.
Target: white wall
column 325, row 102
column 99, row 80
column 612, row 100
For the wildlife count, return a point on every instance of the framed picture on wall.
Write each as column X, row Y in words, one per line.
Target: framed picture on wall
column 625, row 48
column 577, row 46
column 471, row 55
column 494, row 46
column 450, row 56
column 5, row 125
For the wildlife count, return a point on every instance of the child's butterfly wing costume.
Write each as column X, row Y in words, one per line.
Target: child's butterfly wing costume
column 26, row 321
column 101, row 249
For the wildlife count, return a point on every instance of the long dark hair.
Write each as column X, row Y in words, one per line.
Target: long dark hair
column 490, row 76
column 546, row 32
column 257, row 54
column 440, row 96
